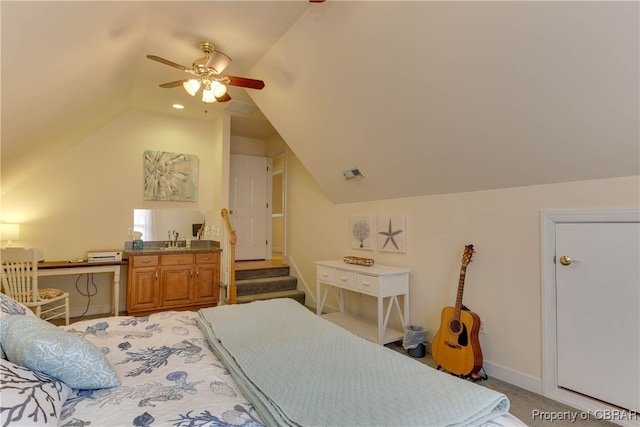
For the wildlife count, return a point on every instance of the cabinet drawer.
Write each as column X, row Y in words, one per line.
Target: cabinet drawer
column 343, row 279
column 179, row 259
column 366, row 283
column 325, row 274
column 207, row 258
column 145, row 261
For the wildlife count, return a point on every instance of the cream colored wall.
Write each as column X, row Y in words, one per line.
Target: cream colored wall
column 247, row 146
column 84, row 199
column 503, row 283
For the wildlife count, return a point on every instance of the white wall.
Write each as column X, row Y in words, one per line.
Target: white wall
column 503, row 283
column 84, row 199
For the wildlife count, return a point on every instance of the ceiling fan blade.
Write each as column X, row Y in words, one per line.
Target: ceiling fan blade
column 243, row 82
column 173, row 84
column 169, row 63
column 223, row 98
column 218, row 61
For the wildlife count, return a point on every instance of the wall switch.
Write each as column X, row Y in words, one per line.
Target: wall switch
column 483, row 327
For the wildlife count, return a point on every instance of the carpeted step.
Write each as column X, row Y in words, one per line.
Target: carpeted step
column 293, row 294
column 262, row 272
column 266, row 284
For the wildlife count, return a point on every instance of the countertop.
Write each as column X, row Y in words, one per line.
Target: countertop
column 159, row 248
column 169, row 251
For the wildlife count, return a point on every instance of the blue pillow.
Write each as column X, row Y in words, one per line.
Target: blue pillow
column 11, row 307
column 36, row 344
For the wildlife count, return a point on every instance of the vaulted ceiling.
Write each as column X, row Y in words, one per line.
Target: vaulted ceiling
column 423, row 97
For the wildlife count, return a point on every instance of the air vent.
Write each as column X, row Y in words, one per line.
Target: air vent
column 352, row 173
column 241, row 107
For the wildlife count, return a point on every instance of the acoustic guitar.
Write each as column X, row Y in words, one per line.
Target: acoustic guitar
column 456, row 347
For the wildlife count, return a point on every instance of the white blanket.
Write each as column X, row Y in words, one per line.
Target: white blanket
column 299, row 369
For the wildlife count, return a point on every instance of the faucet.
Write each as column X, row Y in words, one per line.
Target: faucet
column 172, row 243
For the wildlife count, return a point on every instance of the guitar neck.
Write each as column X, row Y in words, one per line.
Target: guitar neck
column 463, row 272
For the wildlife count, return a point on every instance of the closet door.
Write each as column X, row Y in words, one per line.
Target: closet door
column 598, row 321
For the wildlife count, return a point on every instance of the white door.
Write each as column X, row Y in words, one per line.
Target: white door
column 597, row 319
column 248, row 205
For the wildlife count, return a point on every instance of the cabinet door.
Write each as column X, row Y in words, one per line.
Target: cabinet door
column 143, row 290
column 177, row 286
column 207, row 286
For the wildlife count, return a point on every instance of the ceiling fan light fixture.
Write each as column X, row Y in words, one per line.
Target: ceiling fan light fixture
column 208, row 96
column 219, row 90
column 191, row 86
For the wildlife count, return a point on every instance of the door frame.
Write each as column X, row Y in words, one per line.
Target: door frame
column 548, row 221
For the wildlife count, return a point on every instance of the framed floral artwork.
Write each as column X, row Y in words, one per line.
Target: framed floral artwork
column 391, row 233
column 170, row 176
column 362, row 232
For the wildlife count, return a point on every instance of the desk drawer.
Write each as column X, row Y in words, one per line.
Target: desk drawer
column 366, row 283
column 145, row 261
column 325, row 274
column 343, row 279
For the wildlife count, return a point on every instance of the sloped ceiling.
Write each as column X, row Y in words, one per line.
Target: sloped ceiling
column 70, row 67
column 441, row 97
column 424, row 97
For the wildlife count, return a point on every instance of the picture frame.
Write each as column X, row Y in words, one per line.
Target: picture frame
column 170, row 176
column 361, row 232
column 391, row 233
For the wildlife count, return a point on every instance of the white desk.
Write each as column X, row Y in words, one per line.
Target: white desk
column 379, row 281
column 64, row 268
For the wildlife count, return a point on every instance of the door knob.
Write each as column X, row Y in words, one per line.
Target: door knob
column 232, row 211
column 566, row 260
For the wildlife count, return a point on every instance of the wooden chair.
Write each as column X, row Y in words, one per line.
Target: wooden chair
column 20, row 282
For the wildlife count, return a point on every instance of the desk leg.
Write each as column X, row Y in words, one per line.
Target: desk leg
column 116, row 290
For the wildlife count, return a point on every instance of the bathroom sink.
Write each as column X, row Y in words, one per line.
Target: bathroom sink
column 175, row 248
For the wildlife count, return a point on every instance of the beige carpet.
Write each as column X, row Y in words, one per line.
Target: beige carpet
column 524, row 404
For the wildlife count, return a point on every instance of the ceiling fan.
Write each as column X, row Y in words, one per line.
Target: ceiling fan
column 206, row 74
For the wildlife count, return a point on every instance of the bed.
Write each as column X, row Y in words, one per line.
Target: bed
column 207, row 368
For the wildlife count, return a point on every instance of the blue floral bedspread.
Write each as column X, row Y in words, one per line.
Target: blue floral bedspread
column 169, row 376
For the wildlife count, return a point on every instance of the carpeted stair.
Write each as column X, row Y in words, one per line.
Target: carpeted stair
column 267, row 283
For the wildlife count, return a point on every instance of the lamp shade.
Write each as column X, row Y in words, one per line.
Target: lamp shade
column 10, row 232
column 191, row 86
column 208, row 96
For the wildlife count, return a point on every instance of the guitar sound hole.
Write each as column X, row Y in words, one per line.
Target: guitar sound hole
column 460, row 329
column 455, row 326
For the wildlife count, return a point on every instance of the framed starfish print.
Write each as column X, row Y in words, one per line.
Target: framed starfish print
column 391, row 233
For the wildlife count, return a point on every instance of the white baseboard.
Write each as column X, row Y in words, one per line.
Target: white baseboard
column 516, row 378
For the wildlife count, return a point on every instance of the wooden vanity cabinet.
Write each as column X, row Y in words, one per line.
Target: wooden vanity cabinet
column 173, row 281
column 143, row 293
column 207, row 280
column 176, row 279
